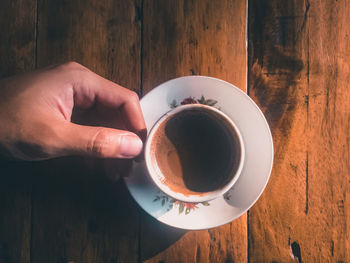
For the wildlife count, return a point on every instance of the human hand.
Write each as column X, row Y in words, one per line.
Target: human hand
column 44, row 114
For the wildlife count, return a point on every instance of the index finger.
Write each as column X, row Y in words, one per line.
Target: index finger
column 90, row 88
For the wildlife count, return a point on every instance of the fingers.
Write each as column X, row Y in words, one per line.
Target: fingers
column 90, row 88
column 100, row 142
column 133, row 116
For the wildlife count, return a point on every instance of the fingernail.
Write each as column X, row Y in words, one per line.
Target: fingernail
column 130, row 146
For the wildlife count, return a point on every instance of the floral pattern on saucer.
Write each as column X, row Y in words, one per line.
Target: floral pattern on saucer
column 172, row 203
column 191, row 100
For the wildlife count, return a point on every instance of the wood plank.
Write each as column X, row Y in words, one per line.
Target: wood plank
column 17, row 52
column 195, row 38
column 200, row 38
column 299, row 74
column 17, row 45
column 79, row 216
column 102, row 35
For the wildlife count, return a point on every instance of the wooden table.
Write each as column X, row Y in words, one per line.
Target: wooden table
column 293, row 59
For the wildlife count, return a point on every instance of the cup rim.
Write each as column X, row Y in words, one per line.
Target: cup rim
column 155, row 174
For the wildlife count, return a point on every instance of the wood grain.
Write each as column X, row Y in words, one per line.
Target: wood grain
column 102, row 35
column 65, row 211
column 79, row 216
column 17, row 53
column 299, row 75
column 193, row 38
column 17, row 44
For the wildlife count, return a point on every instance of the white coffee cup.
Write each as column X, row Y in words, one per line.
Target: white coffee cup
column 174, row 183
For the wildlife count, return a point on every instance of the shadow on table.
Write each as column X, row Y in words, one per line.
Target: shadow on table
column 156, row 237
column 75, row 210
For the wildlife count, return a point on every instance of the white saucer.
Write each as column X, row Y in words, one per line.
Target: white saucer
column 258, row 154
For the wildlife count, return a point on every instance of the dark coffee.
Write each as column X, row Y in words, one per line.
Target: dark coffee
column 196, row 151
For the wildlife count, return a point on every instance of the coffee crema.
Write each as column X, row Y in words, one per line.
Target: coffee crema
column 196, row 151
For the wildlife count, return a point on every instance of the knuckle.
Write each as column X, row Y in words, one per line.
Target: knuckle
column 72, row 66
column 99, row 144
column 133, row 96
column 72, row 70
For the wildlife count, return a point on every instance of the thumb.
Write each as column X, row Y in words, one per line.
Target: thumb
column 102, row 142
